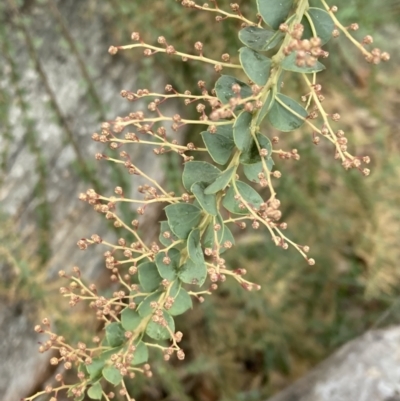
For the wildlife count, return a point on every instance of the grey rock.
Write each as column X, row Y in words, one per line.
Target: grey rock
column 365, row 369
column 22, row 368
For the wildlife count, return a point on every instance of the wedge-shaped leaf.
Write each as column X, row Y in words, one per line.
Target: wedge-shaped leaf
column 208, row 202
column 251, row 160
column 183, row 217
column 198, row 171
column 247, row 193
column 221, row 182
column 182, row 302
column 115, row 334
column 223, row 88
column 141, row 354
column 193, row 273
column 252, row 154
column 130, row 319
column 210, row 234
column 145, row 308
column 265, row 108
column 274, row 12
column 112, row 375
column 95, row 368
column 289, row 64
column 175, row 288
column 149, row 278
column 259, row 39
column 194, row 247
column 227, row 237
column 241, row 131
column 251, row 171
column 95, row 392
column 321, row 22
column 158, row 332
column 168, row 271
column 256, row 66
column 286, row 114
column 165, row 228
column 220, row 144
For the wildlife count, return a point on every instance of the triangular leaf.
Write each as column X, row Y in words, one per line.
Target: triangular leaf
column 158, row 332
column 164, row 227
column 259, row 39
column 112, row 375
column 220, row 183
column 252, row 154
column 149, row 278
column 242, row 131
column 223, row 235
column 196, row 171
column 220, row 144
column 322, row 22
column 282, row 118
column 95, row 392
column 265, row 108
column 182, row 302
column 183, row 217
column 223, row 88
column 256, row 66
column 141, row 354
column 130, row 319
column 207, row 201
column 228, row 236
column 251, row 160
column 193, row 273
column 274, row 12
column 247, row 193
column 194, row 247
column 115, row 334
column 168, row 271
column 95, row 368
column 145, row 308
column 209, row 235
column 175, row 288
column 289, row 64
column 251, row 171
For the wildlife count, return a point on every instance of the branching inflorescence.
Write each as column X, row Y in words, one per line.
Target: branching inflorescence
column 158, row 280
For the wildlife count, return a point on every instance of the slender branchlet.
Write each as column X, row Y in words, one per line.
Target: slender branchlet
column 221, row 179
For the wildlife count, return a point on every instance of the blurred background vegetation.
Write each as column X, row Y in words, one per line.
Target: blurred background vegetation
column 242, row 345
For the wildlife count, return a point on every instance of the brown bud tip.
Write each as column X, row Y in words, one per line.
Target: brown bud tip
column 113, row 50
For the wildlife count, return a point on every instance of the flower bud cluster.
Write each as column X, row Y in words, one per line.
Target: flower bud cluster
column 307, row 50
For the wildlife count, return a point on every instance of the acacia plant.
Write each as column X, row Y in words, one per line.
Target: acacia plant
column 160, row 280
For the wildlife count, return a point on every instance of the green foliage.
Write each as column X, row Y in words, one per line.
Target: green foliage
column 286, row 114
column 256, row 66
column 193, row 273
column 95, row 392
column 247, row 194
column 259, row 39
column 149, row 278
column 274, row 12
column 220, row 144
column 168, row 270
column 317, row 22
column 197, row 232
column 224, row 91
column 182, row 218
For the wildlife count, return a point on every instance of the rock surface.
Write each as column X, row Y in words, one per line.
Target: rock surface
column 54, row 129
column 365, row 369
